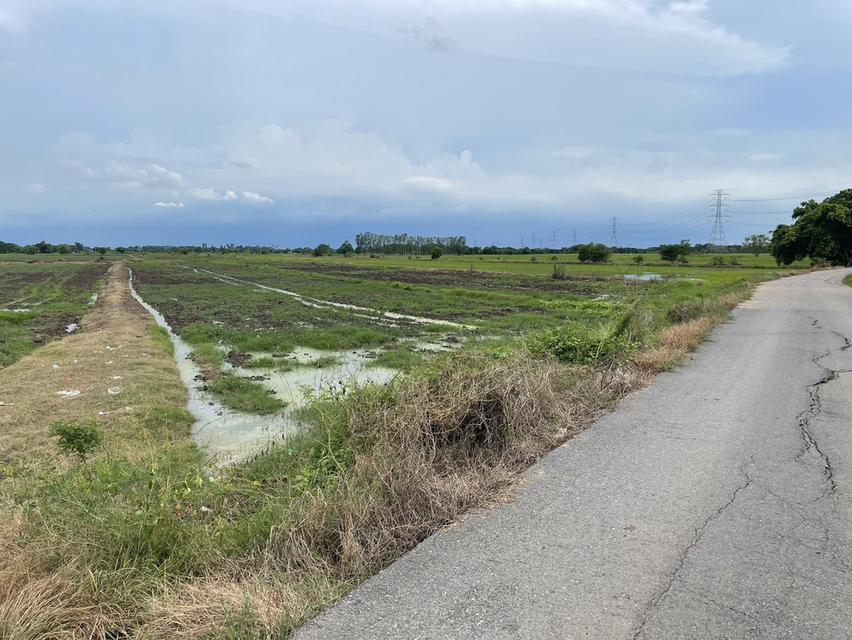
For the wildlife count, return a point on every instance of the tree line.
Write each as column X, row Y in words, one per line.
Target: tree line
column 404, row 244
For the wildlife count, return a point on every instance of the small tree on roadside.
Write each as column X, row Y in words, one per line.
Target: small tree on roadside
column 594, row 252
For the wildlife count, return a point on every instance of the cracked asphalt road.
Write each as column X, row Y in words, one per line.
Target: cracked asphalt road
column 716, row 503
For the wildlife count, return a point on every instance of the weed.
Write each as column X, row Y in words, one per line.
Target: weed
column 77, row 439
column 244, row 395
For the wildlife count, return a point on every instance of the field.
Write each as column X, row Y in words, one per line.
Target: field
column 485, row 365
column 38, row 300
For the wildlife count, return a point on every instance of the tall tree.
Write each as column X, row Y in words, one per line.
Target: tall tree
column 820, row 231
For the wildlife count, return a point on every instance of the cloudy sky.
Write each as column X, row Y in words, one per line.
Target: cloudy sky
column 509, row 121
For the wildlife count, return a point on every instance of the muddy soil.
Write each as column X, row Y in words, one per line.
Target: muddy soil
column 579, row 285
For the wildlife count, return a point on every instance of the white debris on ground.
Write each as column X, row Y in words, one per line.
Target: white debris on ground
column 71, row 328
column 118, row 377
column 16, row 310
column 103, row 413
column 55, row 366
column 114, row 391
column 93, row 299
column 69, row 393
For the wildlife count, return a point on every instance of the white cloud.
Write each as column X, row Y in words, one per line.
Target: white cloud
column 205, row 193
column 575, row 153
column 36, row 187
column 136, row 175
column 169, row 205
column 636, row 35
column 255, row 198
column 229, row 195
column 765, row 157
column 427, row 184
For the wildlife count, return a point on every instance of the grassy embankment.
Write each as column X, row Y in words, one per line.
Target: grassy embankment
column 143, row 540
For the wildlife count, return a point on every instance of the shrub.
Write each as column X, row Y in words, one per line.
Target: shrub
column 638, row 259
column 79, row 439
column 577, row 344
column 594, row 252
column 437, row 252
column 559, row 272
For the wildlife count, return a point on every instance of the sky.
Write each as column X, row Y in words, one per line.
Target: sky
column 512, row 122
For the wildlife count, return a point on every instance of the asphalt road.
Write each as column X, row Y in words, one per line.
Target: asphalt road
column 716, row 503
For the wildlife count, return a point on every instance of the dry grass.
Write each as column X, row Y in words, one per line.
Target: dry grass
column 114, row 350
column 450, row 443
column 37, row 602
column 257, row 604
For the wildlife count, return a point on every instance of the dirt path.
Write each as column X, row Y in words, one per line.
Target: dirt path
column 108, row 373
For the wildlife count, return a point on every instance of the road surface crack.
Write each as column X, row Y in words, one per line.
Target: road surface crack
column 681, row 559
column 810, row 442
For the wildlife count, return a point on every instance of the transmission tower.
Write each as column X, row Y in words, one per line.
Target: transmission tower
column 575, row 237
column 717, row 235
column 613, row 236
column 553, row 239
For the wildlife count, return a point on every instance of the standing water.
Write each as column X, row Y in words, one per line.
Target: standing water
column 227, row 435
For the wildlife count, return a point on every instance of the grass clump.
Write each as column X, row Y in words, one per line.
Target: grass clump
column 244, row 395
column 579, row 344
column 161, row 338
column 399, row 359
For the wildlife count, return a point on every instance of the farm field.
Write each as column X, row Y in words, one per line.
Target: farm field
column 39, row 300
column 151, row 532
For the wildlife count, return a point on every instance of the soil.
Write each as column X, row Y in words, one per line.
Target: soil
column 580, row 285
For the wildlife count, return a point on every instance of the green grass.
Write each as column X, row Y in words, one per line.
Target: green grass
column 244, row 395
column 55, row 293
column 401, row 359
column 133, row 529
column 848, row 280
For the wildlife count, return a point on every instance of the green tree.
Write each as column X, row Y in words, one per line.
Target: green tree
column 756, row 243
column 674, row 252
column 345, row 248
column 594, row 252
column 820, row 231
column 437, row 252
column 322, row 250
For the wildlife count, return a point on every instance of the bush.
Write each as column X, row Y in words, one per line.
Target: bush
column 577, row 344
column 594, row 252
column 437, row 252
column 638, row 259
column 79, row 439
column 559, row 272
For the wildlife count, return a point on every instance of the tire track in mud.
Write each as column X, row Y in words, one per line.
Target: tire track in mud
column 317, row 303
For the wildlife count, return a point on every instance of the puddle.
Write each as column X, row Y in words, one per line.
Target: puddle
column 325, row 304
column 644, row 277
column 296, row 386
